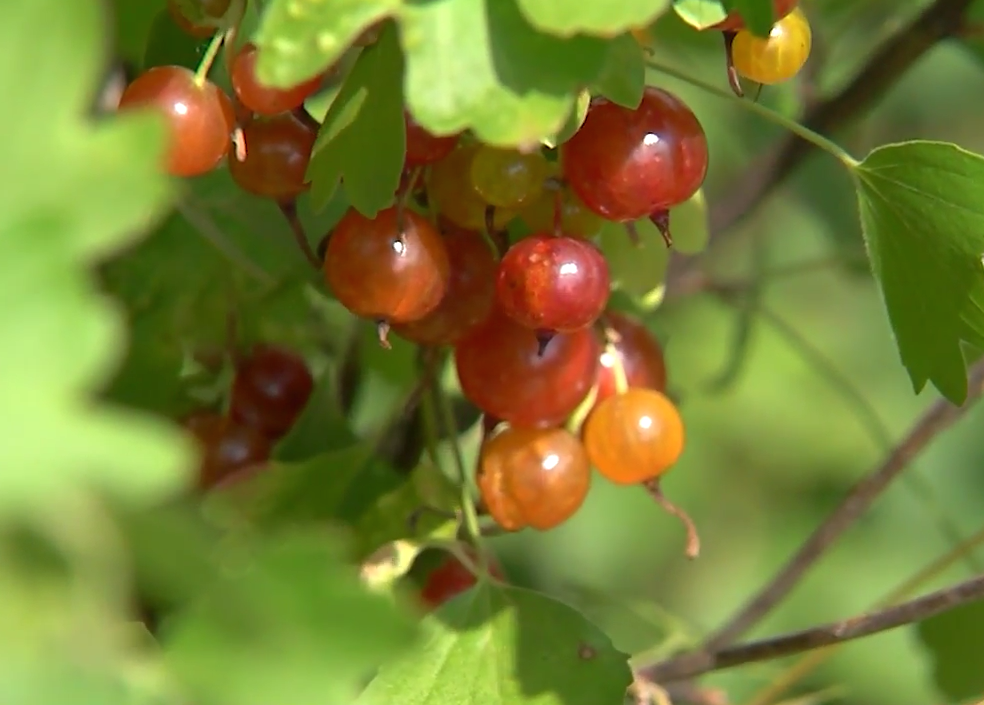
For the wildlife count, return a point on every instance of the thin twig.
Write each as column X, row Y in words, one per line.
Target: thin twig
column 861, row 625
column 941, row 20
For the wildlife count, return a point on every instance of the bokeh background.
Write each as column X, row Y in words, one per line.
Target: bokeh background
column 809, row 412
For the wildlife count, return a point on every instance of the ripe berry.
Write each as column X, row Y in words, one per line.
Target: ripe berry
column 227, row 447
column 551, row 283
column 470, row 292
column 503, row 374
column 423, row 147
column 449, row 579
column 378, row 270
column 734, row 22
column 270, row 390
column 210, row 9
column 563, row 212
column 640, row 353
column 278, row 150
column 626, row 164
column 533, row 477
column 261, row 99
column 634, row 436
column 451, row 193
column 778, row 57
column 506, row 178
column 200, row 118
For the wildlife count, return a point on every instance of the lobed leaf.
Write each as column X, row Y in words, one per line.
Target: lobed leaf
column 602, row 18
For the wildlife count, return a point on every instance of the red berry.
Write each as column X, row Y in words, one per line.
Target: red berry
column 271, row 388
column 640, row 353
column 553, row 283
column 449, row 579
column 423, row 147
column 626, row 164
column 278, row 150
column 227, row 447
column 200, row 118
column 634, row 436
column 261, row 99
column 533, row 477
column 503, row 373
column 378, row 270
column 734, row 22
column 469, row 296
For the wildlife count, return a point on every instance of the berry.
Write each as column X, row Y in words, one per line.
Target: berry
column 469, row 296
column 626, row 164
column 634, row 436
column 261, row 99
column 575, row 219
column 423, row 147
column 552, row 283
column 734, row 22
column 378, row 271
column 278, row 150
column 451, row 193
column 449, row 579
column 506, row 178
column 502, row 372
column 270, row 390
column 640, row 353
column 200, row 117
column 533, row 477
column 227, row 447
column 778, row 57
column 210, row 9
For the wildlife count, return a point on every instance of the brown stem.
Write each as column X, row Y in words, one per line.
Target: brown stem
column 692, row 549
column 694, row 664
column 289, row 209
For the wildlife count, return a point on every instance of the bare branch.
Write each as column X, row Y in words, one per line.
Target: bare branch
column 942, row 19
column 862, row 625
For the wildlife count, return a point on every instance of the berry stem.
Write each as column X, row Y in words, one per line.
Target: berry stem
column 618, row 367
column 817, row 140
column 201, row 73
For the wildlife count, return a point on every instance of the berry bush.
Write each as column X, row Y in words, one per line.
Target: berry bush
column 370, row 374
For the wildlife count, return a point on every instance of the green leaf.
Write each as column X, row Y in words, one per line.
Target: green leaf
column 169, row 45
column 478, row 64
column 573, row 124
column 922, row 215
column 134, row 20
column 290, row 621
column 508, row 646
column 623, row 75
column 298, row 39
column 73, row 192
column 604, row 18
column 759, row 15
column 362, row 141
column 689, row 225
column 700, row 14
column 638, row 269
column 955, row 642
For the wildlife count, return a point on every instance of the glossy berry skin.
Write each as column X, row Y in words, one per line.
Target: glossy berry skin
column 451, row 193
column 278, row 150
column 501, row 372
column 575, row 218
column 470, row 292
column 378, row 272
column 634, row 436
column 552, row 283
column 625, row 164
column 261, row 99
column 227, row 447
column 449, row 579
column 506, row 178
column 533, row 477
column 212, row 9
column 270, row 390
column 777, row 58
column 200, row 119
column 734, row 21
column 423, row 147
column 641, row 355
